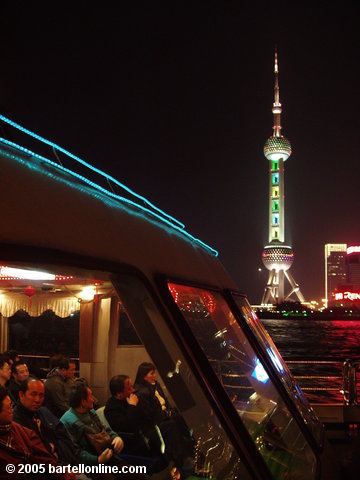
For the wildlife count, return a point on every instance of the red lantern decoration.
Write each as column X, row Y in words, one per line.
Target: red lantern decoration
column 29, row 292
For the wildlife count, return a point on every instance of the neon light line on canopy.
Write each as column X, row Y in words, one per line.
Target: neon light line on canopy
column 88, row 165
column 107, row 193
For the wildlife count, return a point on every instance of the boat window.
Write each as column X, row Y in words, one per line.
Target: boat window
column 281, row 368
column 256, row 400
column 127, row 334
column 215, row 455
column 100, row 301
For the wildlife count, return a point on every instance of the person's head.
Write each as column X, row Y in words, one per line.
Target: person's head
column 31, row 394
column 5, row 371
column 55, row 360
column 70, row 372
column 6, row 411
column 66, row 366
column 11, row 356
column 81, row 398
column 19, row 371
column 146, row 373
column 121, row 386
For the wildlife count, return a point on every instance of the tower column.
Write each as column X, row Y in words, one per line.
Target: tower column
column 277, row 256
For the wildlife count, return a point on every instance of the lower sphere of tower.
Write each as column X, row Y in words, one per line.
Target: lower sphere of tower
column 278, row 257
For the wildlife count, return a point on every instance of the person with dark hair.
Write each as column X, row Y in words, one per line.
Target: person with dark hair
column 19, row 445
column 153, row 401
column 86, row 429
column 30, row 413
column 5, row 375
column 19, row 372
column 156, row 410
column 11, row 356
column 58, row 384
column 124, row 416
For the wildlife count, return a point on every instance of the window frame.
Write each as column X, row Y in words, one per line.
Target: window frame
column 229, row 294
column 199, row 358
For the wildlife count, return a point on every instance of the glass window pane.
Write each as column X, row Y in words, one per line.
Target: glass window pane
column 215, row 455
column 285, row 375
column 261, row 408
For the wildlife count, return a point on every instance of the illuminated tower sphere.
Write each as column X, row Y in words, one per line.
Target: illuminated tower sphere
column 277, row 256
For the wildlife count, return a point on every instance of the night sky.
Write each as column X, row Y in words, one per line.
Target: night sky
column 174, row 99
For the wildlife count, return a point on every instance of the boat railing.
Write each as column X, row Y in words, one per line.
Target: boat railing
column 43, row 362
column 325, row 381
column 322, row 381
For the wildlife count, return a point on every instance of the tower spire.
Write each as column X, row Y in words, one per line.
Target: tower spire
column 276, row 105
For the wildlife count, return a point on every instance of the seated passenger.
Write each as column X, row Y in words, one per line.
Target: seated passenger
column 96, row 443
column 156, row 410
column 30, row 413
column 11, row 356
column 19, row 445
column 124, row 416
column 57, row 386
column 19, row 372
column 5, row 375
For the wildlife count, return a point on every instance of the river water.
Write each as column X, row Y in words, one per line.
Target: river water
column 317, row 341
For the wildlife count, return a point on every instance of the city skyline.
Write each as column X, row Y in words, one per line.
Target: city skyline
column 176, row 103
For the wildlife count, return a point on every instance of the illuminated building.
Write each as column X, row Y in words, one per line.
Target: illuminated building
column 277, row 256
column 353, row 267
column 335, row 268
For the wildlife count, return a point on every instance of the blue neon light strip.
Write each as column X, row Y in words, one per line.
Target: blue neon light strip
column 91, row 167
column 106, row 192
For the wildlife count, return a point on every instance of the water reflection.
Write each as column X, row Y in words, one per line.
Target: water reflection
column 319, row 340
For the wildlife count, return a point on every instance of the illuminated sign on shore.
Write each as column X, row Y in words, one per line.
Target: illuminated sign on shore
column 352, row 296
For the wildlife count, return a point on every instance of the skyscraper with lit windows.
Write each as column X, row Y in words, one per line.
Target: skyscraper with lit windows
column 335, row 268
column 277, row 256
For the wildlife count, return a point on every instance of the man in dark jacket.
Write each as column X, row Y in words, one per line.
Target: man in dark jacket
column 19, row 445
column 124, row 416
column 19, row 372
column 58, row 385
column 30, row 413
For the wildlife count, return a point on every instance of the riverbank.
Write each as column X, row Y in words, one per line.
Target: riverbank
column 353, row 315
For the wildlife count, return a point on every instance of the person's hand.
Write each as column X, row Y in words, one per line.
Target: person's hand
column 105, row 455
column 133, row 399
column 118, row 444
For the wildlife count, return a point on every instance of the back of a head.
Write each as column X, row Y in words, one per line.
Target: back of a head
column 78, row 392
column 11, row 356
column 117, row 384
column 59, row 361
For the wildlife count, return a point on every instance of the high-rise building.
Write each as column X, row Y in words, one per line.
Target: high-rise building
column 277, row 256
column 353, row 266
column 335, row 269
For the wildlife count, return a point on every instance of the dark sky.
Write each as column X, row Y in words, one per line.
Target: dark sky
column 174, row 99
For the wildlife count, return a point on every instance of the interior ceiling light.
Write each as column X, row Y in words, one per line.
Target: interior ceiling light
column 18, row 273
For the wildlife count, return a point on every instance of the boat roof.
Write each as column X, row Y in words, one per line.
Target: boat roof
column 70, row 205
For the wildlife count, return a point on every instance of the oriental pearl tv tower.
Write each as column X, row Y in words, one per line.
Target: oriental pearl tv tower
column 277, row 256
